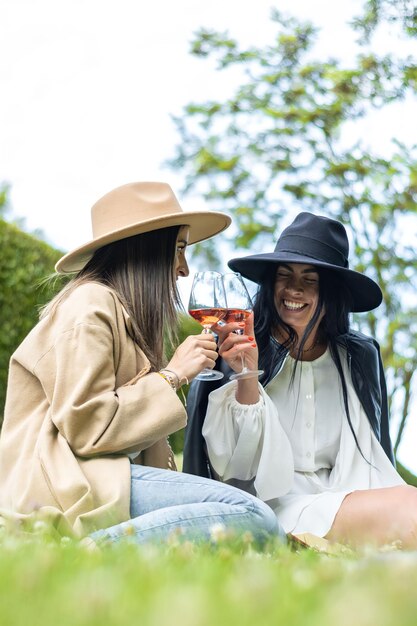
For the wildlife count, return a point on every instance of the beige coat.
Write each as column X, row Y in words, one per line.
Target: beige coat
column 80, row 398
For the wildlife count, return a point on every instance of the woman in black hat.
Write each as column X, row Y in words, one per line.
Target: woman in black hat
column 312, row 439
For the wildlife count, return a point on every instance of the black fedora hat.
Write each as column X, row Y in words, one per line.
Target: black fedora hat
column 318, row 241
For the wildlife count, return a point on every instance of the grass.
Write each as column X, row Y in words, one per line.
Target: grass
column 44, row 582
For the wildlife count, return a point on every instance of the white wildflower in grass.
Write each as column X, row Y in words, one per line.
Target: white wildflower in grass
column 372, row 551
column 392, row 547
column 129, row 530
column 218, row 533
column 65, row 541
column 40, row 526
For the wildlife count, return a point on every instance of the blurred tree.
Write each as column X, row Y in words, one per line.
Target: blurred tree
column 4, row 199
column 291, row 137
column 377, row 12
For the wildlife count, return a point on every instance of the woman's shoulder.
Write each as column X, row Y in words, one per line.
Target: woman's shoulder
column 89, row 300
column 91, row 292
column 359, row 342
column 359, row 337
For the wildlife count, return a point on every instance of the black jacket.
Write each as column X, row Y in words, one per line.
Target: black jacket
column 367, row 377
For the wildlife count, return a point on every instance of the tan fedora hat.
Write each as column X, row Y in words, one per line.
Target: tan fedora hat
column 138, row 208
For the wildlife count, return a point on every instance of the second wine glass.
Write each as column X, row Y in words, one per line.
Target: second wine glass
column 207, row 305
column 238, row 309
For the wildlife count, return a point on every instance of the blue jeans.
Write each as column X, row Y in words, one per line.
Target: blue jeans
column 165, row 503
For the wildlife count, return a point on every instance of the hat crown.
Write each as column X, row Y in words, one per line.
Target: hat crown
column 131, row 204
column 315, row 236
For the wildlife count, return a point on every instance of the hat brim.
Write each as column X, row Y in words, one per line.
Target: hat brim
column 366, row 293
column 202, row 224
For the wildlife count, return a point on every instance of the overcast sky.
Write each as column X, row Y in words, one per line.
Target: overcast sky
column 88, row 87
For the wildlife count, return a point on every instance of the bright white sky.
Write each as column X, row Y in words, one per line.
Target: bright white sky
column 88, row 87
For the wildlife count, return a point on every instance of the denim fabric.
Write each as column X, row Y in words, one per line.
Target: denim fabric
column 166, row 503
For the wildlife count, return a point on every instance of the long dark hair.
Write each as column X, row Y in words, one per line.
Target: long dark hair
column 140, row 270
column 334, row 298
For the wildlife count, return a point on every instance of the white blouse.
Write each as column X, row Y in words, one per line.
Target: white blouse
column 294, row 447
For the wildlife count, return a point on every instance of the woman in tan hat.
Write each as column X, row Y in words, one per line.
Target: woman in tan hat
column 91, row 398
column 312, row 439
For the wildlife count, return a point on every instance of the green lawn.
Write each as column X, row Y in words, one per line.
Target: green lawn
column 48, row 583
column 45, row 582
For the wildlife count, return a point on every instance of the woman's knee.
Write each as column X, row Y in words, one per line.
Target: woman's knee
column 266, row 518
column 377, row 516
column 271, row 523
column 263, row 519
column 406, row 502
column 407, row 514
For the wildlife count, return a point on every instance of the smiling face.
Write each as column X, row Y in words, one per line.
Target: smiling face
column 297, row 295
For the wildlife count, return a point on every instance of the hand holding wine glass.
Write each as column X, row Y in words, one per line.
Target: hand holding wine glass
column 207, row 305
column 238, row 309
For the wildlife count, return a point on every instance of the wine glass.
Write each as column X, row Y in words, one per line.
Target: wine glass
column 238, row 308
column 207, row 305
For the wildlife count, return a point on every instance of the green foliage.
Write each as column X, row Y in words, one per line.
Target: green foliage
column 24, row 263
column 277, row 138
column 409, row 478
column 4, row 191
column 285, row 140
column 390, row 11
column 44, row 584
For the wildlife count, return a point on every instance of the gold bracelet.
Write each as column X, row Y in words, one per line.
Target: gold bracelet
column 170, row 373
column 170, row 380
column 180, row 381
column 172, row 384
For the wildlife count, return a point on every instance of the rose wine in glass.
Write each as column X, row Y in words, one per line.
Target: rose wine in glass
column 239, row 307
column 207, row 305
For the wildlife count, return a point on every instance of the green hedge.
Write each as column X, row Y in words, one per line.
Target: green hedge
column 24, row 262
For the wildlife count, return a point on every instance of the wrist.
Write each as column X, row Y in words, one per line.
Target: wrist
column 247, row 391
column 173, row 378
column 175, row 382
